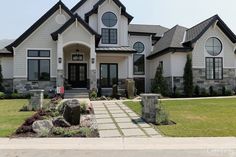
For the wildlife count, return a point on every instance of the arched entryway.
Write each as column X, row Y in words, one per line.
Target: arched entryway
column 77, row 65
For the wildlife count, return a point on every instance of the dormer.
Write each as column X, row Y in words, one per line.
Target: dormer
column 110, row 19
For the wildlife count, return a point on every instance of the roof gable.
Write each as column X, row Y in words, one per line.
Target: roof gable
column 100, row 2
column 38, row 23
column 171, row 41
column 70, row 22
column 194, row 33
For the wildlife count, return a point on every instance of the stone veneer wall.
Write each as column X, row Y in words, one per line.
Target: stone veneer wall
column 228, row 80
column 8, row 84
column 199, row 79
column 22, row 85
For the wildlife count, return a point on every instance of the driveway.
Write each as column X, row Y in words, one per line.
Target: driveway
column 117, row 120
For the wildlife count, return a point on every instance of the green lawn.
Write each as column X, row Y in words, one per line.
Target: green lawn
column 198, row 118
column 10, row 117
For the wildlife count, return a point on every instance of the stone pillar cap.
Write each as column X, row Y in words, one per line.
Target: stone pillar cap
column 150, row 94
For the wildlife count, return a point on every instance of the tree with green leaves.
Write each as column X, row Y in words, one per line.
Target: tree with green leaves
column 188, row 77
column 159, row 84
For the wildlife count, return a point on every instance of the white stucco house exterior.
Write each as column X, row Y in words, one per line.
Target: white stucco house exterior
column 94, row 45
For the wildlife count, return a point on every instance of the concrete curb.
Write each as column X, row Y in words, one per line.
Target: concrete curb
column 118, row 143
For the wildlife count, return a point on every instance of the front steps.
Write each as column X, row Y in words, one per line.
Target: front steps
column 76, row 94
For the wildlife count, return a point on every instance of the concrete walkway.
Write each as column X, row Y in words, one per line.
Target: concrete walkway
column 117, row 120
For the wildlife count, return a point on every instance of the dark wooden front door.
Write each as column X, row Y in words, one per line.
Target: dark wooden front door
column 77, row 75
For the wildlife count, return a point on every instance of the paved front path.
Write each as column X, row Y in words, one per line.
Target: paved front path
column 117, row 120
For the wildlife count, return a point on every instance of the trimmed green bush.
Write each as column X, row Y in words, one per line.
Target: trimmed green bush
column 197, row 91
column 159, row 84
column 188, row 77
column 2, row 95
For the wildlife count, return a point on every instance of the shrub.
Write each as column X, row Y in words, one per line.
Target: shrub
column 176, row 93
column 162, row 116
column 61, row 107
column 85, row 132
column 212, row 92
column 188, row 77
column 197, row 91
column 58, row 131
column 223, row 91
column 93, row 94
column 83, row 108
column 2, row 95
column 71, row 133
column 24, row 108
column 159, row 84
column 204, row 92
column 228, row 93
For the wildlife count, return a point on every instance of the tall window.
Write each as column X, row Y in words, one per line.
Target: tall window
column 38, row 65
column 139, row 66
column 108, row 74
column 214, row 68
column 109, row 36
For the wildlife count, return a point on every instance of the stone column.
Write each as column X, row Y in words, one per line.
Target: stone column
column 149, row 107
column 60, row 62
column 93, row 64
column 36, row 101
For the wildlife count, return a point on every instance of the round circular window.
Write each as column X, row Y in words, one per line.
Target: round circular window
column 139, row 47
column 214, row 46
column 109, row 19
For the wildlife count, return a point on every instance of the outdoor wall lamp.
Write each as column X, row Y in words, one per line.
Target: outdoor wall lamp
column 93, row 60
column 59, row 60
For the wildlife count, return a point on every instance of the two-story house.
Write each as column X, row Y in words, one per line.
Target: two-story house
column 94, row 45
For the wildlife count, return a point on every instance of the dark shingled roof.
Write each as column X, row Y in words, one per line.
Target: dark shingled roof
column 156, row 30
column 38, row 23
column 78, row 5
column 194, row 33
column 170, row 42
column 117, row 2
column 71, row 21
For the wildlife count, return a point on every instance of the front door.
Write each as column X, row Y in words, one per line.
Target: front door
column 77, row 75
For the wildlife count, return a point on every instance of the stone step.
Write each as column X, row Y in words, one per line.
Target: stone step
column 75, row 95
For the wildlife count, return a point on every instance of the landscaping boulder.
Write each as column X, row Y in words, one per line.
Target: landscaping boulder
column 72, row 112
column 42, row 126
column 86, row 121
column 60, row 122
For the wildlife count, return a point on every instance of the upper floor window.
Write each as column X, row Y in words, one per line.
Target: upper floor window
column 139, row 47
column 213, row 46
column 109, row 19
column 109, row 36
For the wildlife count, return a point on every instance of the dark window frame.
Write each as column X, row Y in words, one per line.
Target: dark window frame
column 143, row 65
column 39, row 71
column 139, row 42
column 108, row 74
column 109, row 36
column 213, row 46
column 109, row 25
column 38, row 51
column 214, row 68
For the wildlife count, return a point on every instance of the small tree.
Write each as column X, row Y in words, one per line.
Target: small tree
column 188, row 77
column 1, row 80
column 159, row 84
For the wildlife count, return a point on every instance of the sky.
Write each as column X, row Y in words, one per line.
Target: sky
column 16, row 16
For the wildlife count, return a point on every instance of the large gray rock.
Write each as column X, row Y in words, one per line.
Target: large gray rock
column 72, row 112
column 60, row 122
column 42, row 126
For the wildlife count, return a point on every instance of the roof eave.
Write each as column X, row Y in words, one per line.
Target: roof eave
column 167, row 50
column 38, row 23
